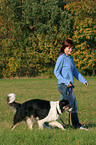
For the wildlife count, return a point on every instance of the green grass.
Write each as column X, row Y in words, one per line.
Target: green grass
column 26, row 89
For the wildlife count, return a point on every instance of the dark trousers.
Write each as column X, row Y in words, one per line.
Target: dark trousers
column 75, row 120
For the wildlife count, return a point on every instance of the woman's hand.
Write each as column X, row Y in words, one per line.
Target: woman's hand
column 86, row 84
column 69, row 85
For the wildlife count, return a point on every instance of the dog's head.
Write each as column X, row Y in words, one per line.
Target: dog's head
column 64, row 106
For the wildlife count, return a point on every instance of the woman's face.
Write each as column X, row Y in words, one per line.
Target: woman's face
column 68, row 50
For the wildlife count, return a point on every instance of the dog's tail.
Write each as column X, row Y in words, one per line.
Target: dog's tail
column 11, row 101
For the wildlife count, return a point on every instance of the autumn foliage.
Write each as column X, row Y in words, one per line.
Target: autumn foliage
column 32, row 32
column 84, row 27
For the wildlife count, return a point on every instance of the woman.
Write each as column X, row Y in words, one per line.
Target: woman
column 65, row 71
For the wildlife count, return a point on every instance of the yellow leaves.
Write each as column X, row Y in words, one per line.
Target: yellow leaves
column 12, row 65
column 11, row 68
column 83, row 58
column 93, row 65
column 78, row 65
column 31, row 27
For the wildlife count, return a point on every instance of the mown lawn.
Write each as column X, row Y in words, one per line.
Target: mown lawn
column 26, row 89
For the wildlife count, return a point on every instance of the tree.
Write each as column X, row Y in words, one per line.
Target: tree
column 34, row 32
column 84, row 28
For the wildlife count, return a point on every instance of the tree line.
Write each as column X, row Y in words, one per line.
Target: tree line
column 32, row 32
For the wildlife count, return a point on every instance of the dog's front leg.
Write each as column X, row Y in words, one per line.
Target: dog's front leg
column 29, row 122
column 40, row 124
column 57, row 124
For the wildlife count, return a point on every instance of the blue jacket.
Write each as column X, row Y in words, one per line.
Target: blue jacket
column 65, row 70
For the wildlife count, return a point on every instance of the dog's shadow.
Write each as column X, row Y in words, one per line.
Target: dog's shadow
column 91, row 125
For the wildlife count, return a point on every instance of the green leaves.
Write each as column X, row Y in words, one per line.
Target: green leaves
column 32, row 33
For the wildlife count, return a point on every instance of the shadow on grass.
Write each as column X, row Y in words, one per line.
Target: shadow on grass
column 91, row 125
column 87, row 125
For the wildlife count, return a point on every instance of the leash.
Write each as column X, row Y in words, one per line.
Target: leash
column 68, row 121
column 68, row 91
column 69, row 118
column 62, row 122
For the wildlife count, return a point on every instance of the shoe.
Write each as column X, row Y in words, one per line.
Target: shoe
column 83, row 124
column 82, row 128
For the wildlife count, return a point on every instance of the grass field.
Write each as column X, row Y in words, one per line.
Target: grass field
column 26, row 89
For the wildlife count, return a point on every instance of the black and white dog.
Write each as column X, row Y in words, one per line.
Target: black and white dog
column 40, row 110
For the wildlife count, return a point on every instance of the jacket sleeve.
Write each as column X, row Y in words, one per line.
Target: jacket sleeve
column 78, row 76
column 58, row 71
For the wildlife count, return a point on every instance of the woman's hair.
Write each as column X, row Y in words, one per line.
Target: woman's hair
column 66, row 43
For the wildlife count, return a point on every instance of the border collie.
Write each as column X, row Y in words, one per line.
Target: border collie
column 40, row 110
